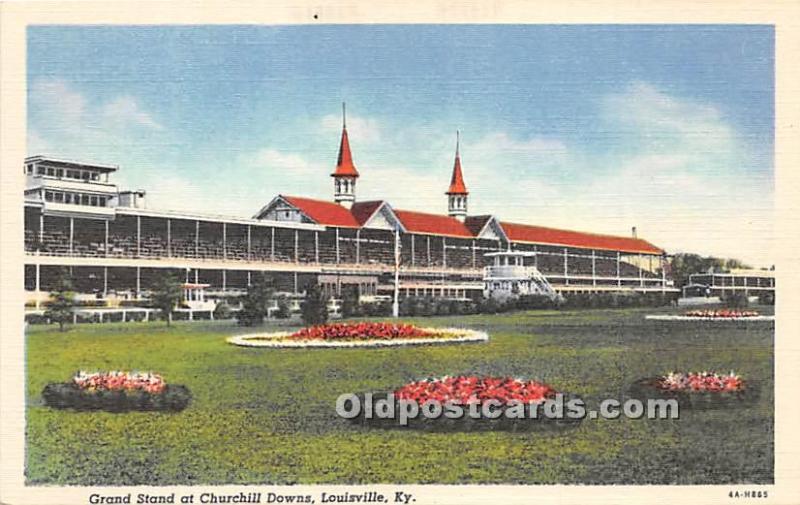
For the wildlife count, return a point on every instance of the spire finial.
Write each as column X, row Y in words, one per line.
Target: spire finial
column 344, row 116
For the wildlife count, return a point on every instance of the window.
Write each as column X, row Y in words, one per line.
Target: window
column 72, row 174
column 40, row 171
column 84, row 199
column 95, row 176
column 51, row 171
column 30, row 169
column 68, row 198
column 85, row 176
column 60, row 172
column 59, row 197
column 93, row 201
column 48, row 196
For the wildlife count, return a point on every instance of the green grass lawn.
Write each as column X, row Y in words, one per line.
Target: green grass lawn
column 267, row 415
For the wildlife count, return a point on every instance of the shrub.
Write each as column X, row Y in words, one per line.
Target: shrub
column 350, row 305
column 69, row 396
column 222, row 311
column 766, row 298
column 62, row 303
column 735, row 299
column 284, row 311
column 315, row 306
column 255, row 302
column 166, row 295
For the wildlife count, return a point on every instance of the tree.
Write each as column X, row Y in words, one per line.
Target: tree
column 165, row 295
column 315, row 306
column 61, row 306
column 685, row 264
column 350, row 304
column 255, row 305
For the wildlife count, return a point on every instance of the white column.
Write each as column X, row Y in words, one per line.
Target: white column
column 619, row 280
column 412, row 249
column 594, row 268
column 248, row 278
column 138, row 281
column 358, row 246
column 248, row 243
column 71, row 233
column 224, row 280
column 105, row 282
column 138, row 236
column 295, row 282
column 105, row 248
column 272, row 245
column 566, row 267
column 316, row 247
column 444, row 252
column 41, row 232
column 296, row 246
column 224, row 241
column 197, row 238
column 196, row 276
column 169, row 238
column 337, row 245
column 429, row 250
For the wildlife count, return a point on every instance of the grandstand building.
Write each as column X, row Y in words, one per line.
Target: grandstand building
column 751, row 282
column 116, row 247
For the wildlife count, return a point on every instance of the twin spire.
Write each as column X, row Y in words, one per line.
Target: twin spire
column 345, row 175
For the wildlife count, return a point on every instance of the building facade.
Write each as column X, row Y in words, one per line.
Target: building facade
column 77, row 218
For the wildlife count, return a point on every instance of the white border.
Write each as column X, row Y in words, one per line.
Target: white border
column 665, row 317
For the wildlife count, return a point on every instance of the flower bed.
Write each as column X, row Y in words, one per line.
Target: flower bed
column 697, row 389
column 364, row 334
column 472, row 393
column 722, row 313
column 116, row 391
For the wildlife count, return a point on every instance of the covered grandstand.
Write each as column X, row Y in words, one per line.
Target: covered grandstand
column 116, row 247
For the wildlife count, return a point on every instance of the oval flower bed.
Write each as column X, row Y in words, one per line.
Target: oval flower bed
column 116, row 391
column 697, row 389
column 364, row 334
column 713, row 315
column 471, row 394
column 722, row 313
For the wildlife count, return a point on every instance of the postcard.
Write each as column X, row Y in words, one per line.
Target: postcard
column 315, row 255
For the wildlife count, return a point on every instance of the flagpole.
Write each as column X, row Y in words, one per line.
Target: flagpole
column 396, row 303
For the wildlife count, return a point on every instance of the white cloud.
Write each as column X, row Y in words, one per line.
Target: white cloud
column 124, row 111
column 64, row 123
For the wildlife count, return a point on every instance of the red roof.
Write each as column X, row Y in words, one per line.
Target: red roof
column 541, row 235
column 345, row 166
column 432, row 224
column 362, row 211
column 323, row 212
column 457, row 186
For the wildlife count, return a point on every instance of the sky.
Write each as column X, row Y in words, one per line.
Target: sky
column 590, row 127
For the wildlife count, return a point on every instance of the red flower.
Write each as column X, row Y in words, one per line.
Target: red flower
column 471, row 389
column 360, row 331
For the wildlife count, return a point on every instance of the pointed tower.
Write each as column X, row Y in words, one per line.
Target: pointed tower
column 457, row 192
column 345, row 175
